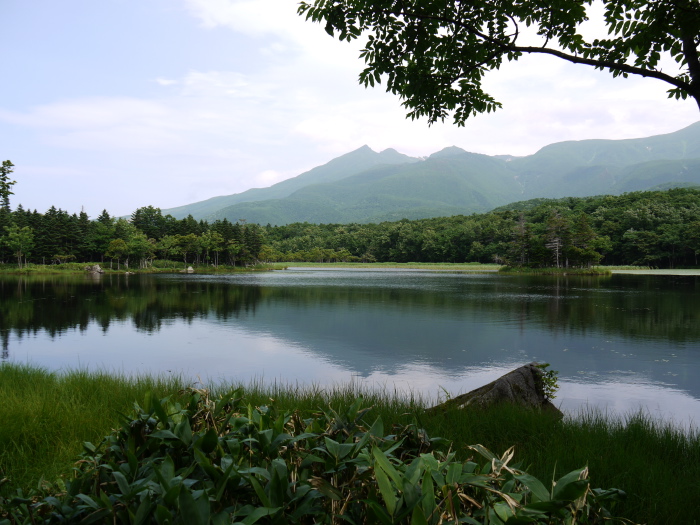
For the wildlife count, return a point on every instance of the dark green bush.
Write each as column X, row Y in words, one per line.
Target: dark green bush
column 222, row 461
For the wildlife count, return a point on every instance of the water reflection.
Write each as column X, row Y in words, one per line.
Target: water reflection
column 636, row 338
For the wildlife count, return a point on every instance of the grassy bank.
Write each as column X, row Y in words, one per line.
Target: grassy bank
column 157, row 267
column 519, row 270
column 464, row 267
column 45, row 417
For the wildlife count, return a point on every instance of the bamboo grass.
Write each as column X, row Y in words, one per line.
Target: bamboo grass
column 46, row 416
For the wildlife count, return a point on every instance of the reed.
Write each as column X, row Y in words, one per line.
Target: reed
column 46, row 416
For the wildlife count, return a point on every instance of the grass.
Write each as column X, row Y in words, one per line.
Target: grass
column 466, row 267
column 519, row 270
column 46, row 416
column 158, row 266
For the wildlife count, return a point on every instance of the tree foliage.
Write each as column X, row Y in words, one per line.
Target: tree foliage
column 435, row 54
column 5, row 184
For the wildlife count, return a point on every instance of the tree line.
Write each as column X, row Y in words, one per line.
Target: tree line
column 653, row 228
column 57, row 237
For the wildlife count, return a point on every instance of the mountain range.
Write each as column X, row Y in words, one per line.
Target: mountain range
column 365, row 186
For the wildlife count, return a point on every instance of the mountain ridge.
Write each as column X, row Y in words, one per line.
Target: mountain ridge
column 366, row 186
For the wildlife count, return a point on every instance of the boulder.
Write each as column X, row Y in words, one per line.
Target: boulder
column 94, row 268
column 188, row 270
column 522, row 386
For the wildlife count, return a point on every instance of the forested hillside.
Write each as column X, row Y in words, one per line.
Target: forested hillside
column 656, row 228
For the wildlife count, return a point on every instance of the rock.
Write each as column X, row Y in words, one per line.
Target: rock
column 95, row 268
column 522, row 386
column 189, row 270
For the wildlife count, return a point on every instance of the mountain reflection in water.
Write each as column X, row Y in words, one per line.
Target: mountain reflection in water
column 619, row 341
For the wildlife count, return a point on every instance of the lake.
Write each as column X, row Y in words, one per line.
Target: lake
column 619, row 342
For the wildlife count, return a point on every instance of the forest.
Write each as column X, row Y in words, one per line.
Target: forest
column 653, row 228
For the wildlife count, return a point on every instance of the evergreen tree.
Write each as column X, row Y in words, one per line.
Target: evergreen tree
column 5, row 184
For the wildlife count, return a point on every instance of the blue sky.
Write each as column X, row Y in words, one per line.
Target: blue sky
column 119, row 104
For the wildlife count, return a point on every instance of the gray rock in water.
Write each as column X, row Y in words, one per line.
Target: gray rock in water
column 95, row 268
column 522, row 386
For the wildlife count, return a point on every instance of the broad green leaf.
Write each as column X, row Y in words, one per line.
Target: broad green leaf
column 183, row 431
column 538, row 490
column 144, row 512
column 383, row 462
column 418, row 517
column 572, row 485
column 259, row 491
column 163, row 434
column 386, row 490
column 194, row 512
column 88, row 500
column 258, row 513
column 159, row 411
column 122, row 483
column 454, row 472
column 428, row 503
column 163, row 516
column 332, row 446
column 209, row 442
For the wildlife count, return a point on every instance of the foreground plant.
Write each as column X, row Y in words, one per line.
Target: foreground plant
column 222, row 461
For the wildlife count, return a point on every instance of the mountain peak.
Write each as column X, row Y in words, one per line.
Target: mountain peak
column 450, row 151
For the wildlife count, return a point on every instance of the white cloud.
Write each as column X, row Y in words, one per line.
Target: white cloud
column 166, row 81
column 286, row 99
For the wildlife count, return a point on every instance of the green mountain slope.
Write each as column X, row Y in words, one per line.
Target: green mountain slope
column 344, row 166
column 440, row 185
column 364, row 186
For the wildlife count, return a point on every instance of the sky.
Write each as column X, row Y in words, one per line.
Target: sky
column 119, row 104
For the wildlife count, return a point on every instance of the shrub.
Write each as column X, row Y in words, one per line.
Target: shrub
column 198, row 460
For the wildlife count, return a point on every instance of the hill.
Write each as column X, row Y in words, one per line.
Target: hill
column 365, row 186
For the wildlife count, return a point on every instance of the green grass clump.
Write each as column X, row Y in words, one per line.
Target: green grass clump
column 46, row 416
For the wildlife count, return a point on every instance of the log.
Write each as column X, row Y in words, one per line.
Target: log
column 521, row 387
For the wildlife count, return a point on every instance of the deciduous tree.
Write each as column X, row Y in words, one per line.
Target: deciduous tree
column 434, row 54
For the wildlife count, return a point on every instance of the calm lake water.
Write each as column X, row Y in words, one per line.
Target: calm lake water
column 619, row 342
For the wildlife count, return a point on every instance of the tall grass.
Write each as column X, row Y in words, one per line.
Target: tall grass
column 44, row 418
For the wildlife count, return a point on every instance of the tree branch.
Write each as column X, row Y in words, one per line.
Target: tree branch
column 607, row 64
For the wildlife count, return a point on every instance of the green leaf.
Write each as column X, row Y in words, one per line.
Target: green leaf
column 454, row 472
column 122, row 483
column 383, row 462
column 163, row 434
column 258, row 513
column 163, row 516
column 143, row 513
column 183, row 431
column 88, row 500
column 570, row 486
column 418, row 517
column 538, row 490
column 194, row 512
column 159, row 411
column 209, row 442
column 386, row 490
